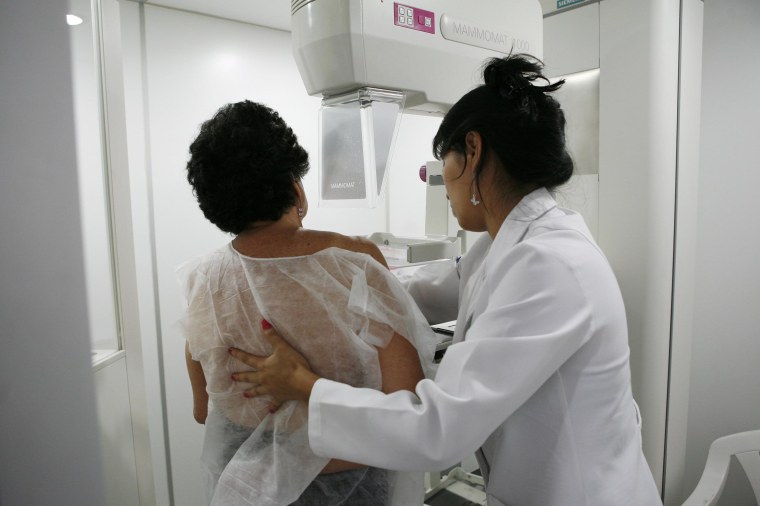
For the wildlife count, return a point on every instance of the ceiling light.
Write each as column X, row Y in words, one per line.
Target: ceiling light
column 73, row 20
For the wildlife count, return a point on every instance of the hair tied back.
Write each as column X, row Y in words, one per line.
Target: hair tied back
column 515, row 75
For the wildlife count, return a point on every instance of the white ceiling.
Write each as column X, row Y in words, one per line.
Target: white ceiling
column 271, row 13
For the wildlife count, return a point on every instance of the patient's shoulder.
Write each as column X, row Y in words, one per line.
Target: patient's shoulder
column 363, row 245
column 323, row 240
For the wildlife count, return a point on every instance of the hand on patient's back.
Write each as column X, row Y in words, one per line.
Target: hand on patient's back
column 284, row 375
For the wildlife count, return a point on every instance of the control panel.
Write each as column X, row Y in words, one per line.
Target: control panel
column 414, row 18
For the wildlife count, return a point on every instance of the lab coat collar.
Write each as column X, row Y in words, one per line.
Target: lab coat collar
column 532, row 206
column 529, row 209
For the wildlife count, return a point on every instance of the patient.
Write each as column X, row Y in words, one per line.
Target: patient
column 245, row 169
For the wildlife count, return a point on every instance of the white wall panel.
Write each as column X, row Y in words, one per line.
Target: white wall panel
column 49, row 451
column 637, row 183
column 142, row 227
column 686, row 251
column 723, row 395
column 91, row 164
column 573, row 37
column 117, row 444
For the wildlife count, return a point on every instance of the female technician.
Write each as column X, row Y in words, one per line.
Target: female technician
column 538, row 380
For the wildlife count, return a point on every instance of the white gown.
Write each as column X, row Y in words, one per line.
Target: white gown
column 347, row 299
column 537, row 382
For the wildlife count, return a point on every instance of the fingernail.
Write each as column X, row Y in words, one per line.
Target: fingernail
column 272, row 410
column 245, row 394
column 265, row 325
column 233, row 378
column 229, row 350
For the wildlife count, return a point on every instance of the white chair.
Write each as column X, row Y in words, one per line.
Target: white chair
column 746, row 447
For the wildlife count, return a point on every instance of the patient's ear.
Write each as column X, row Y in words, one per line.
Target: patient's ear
column 302, row 202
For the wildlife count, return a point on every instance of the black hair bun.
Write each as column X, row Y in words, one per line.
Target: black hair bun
column 514, row 75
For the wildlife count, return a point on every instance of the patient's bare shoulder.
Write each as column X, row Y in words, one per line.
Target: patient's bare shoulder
column 321, row 240
column 364, row 245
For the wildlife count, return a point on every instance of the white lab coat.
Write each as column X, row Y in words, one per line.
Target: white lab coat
column 537, row 382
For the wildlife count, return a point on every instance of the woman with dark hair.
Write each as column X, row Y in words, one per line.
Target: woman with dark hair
column 537, row 383
column 245, row 169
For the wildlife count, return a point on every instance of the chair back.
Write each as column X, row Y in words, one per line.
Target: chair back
column 746, row 447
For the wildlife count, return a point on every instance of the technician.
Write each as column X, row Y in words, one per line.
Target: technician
column 537, row 383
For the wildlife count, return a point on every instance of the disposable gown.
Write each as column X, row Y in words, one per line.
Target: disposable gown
column 351, row 304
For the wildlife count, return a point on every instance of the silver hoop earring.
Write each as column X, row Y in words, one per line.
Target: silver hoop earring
column 474, row 201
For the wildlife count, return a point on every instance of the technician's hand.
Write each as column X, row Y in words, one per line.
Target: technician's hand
column 284, row 375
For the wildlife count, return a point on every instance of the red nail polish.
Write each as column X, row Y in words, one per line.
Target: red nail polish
column 245, row 394
column 265, row 325
column 233, row 378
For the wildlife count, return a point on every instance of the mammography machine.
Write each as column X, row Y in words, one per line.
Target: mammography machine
column 371, row 61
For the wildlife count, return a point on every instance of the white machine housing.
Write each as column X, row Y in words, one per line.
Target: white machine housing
column 343, row 45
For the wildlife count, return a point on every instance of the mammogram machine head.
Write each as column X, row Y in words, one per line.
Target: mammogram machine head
column 372, row 60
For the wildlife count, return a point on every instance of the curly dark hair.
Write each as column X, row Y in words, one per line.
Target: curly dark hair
column 243, row 164
column 518, row 120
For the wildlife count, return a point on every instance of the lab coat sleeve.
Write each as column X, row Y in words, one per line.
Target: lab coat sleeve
column 536, row 317
column 435, row 289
